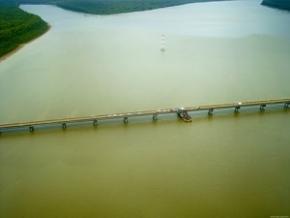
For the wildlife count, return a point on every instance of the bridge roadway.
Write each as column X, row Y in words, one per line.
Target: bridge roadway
column 63, row 122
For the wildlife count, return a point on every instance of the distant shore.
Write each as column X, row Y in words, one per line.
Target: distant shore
column 13, row 38
column 107, row 7
column 280, row 4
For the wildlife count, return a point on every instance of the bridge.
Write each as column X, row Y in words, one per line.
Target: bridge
column 125, row 117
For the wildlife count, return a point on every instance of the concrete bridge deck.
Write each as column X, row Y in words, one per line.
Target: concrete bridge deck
column 63, row 122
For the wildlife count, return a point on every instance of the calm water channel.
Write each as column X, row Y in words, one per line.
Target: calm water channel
column 225, row 166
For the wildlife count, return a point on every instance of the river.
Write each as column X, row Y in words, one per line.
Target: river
column 203, row 53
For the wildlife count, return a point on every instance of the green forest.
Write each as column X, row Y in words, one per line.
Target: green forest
column 119, row 6
column 108, row 6
column 18, row 27
column 122, row 6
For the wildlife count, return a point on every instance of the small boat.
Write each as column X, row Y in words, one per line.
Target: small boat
column 183, row 115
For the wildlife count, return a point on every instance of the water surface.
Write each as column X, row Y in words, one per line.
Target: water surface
column 226, row 166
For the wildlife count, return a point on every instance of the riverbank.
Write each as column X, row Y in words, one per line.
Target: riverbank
column 17, row 28
column 111, row 6
column 20, row 46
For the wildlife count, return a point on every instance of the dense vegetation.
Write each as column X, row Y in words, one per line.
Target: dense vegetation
column 17, row 27
column 119, row 6
column 109, row 6
column 282, row 4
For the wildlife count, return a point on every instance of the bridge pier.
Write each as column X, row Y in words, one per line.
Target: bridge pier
column 262, row 107
column 95, row 122
column 210, row 112
column 64, row 126
column 126, row 120
column 155, row 117
column 237, row 108
column 31, row 129
column 286, row 105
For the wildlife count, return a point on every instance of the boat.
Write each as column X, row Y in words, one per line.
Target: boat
column 183, row 115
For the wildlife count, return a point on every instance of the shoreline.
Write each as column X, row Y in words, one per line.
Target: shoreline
column 111, row 11
column 20, row 46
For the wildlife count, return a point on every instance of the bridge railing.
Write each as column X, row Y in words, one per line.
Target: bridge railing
column 63, row 122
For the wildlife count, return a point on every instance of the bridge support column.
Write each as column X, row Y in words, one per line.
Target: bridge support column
column 237, row 108
column 31, row 129
column 155, row 117
column 210, row 112
column 262, row 107
column 95, row 122
column 64, row 126
column 126, row 120
column 286, row 105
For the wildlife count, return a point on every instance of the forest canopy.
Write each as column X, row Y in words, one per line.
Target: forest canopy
column 18, row 27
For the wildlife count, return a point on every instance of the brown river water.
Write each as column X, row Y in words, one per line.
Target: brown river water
column 224, row 166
